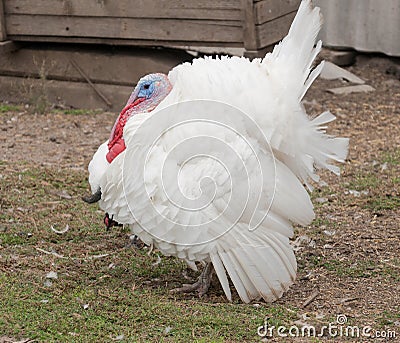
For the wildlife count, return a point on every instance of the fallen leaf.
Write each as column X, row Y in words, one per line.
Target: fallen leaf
column 60, row 232
column 52, row 275
column 351, row 89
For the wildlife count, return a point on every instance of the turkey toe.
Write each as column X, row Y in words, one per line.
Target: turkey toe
column 201, row 285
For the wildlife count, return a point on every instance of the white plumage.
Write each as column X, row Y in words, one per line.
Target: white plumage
column 242, row 166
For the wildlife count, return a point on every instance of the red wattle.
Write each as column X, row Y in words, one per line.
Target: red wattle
column 115, row 150
column 116, row 142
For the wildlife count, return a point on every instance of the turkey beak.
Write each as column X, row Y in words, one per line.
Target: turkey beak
column 133, row 97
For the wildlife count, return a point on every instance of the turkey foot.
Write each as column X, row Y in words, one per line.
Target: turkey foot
column 109, row 222
column 201, row 285
column 137, row 243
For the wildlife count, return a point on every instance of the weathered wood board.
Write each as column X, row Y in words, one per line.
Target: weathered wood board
column 264, row 10
column 63, row 93
column 155, row 9
column 3, row 32
column 112, row 65
column 265, row 23
column 271, row 31
column 237, row 23
column 267, row 10
column 124, row 28
column 113, row 72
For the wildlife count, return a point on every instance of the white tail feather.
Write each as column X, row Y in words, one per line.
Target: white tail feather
column 306, row 145
column 260, row 265
column 219, row 269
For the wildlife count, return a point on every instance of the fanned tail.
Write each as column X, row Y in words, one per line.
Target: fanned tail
column 295, row 54
column 299, row 142
column 314, row 149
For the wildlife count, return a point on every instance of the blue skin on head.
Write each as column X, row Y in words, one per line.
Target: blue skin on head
column 151, row 89
column 146, row 89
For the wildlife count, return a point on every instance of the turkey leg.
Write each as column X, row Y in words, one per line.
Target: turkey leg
column 201, row 285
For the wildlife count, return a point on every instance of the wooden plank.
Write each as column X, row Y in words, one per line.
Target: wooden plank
column 66, row 93
column 274, row 30
column 267, row 10
column 3, row 31
column 87, row 79
column 250, row 37
column 120, row 66
column 126, row 28
column 183, row 9
column 120, row 42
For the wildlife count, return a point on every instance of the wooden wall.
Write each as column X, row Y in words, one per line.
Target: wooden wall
column 3, row 34
column 251, row 23
column 80, row 77
column 149, row 22
column 90, row 53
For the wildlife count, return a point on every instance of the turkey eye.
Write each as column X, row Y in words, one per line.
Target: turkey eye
column 146, row 86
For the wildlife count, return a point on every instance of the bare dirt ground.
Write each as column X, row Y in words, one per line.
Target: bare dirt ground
column 349, row 258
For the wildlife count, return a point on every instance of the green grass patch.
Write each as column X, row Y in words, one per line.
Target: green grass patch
column 358, row 269
column 384, row 203
column 392, row 157
column 76, row 111
column 4, row 108
column 396, row 179
column 387, row 318
column 364, row 181
column 323, row 222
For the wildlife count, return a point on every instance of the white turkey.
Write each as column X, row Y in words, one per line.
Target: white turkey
column 209, row 162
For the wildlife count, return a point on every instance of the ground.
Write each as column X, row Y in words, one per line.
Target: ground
column 101, row 288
